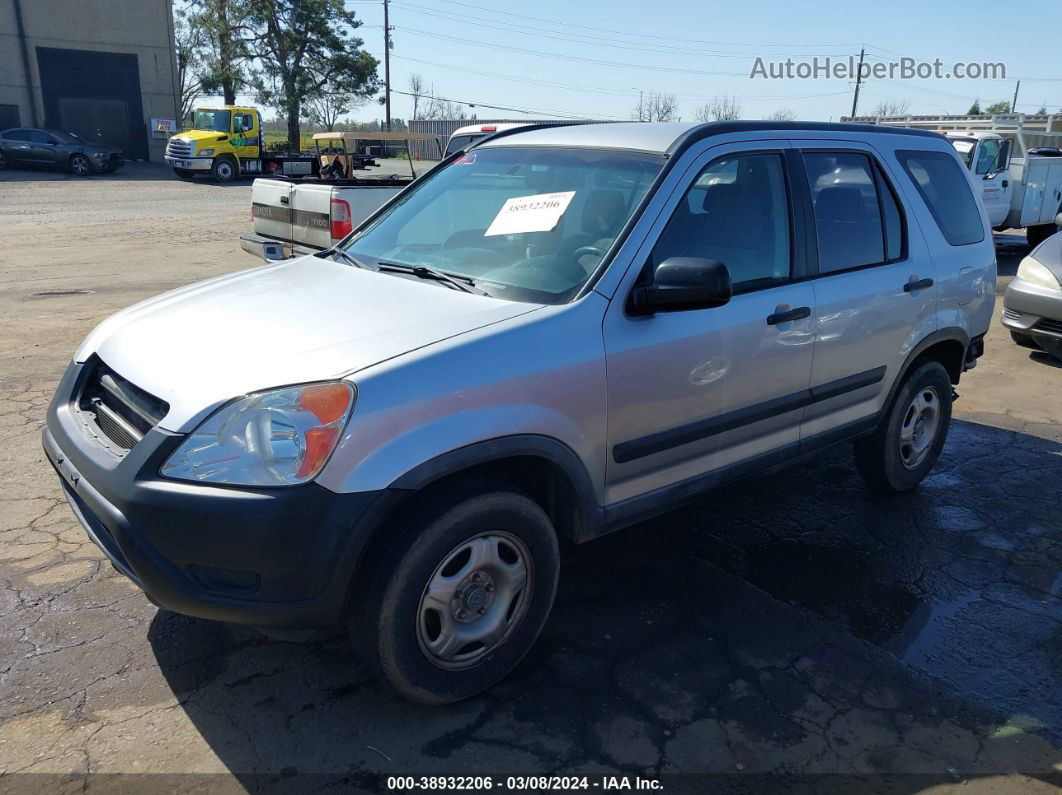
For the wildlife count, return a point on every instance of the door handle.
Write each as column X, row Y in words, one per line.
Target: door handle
column 793, row 314
column 917, row 284
column 283, row 199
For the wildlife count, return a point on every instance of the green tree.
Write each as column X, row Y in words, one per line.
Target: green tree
column 224, row 26
column 306, row 48
column 975, row 109
column 998, row 107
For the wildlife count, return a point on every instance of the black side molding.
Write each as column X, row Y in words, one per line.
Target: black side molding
column 702, row 429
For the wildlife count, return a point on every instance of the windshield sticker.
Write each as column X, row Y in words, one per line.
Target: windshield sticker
column 538, row 213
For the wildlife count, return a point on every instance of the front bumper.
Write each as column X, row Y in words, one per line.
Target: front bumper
column 272, row 250
column 1033, row 310
column 191, row 163
column 280, row 558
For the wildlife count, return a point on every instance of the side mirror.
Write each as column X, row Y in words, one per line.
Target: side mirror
column 683, row 283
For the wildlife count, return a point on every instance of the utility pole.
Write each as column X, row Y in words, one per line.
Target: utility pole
column 1014, row 104
column 859, row 80
column 387, row 66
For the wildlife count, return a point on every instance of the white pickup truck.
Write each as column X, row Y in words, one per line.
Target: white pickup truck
column 1017, row 158
column 299, row 216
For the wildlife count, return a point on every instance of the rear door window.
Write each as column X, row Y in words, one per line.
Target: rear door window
column 851, row 217
column 944, row 188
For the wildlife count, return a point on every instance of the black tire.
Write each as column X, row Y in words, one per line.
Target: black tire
column 184, row 173
column 80, row 166
column 224, row 169
column 4, row 161
column 1035, row 235
column 388, row 619
column 1024, row 340
column 887, row 463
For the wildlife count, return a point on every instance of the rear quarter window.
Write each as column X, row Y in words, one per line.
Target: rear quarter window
column 946, row 191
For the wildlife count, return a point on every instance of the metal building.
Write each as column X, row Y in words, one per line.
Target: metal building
column 104, row 69
column 447, row 127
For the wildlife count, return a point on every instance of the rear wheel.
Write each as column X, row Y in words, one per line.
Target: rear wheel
column 223, row 170
column 80, row 166
column 1024, row 340
column 184, row 173
column 904, row 448
column 460, row 595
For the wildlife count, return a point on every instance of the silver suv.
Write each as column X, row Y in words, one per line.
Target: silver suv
column 556, row 333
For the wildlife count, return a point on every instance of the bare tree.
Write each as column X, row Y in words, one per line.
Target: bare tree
column 892, row 107
column 326, row 108
column 436, row 107
column 721, row 108
column 782, row 114
column 655, row 106
column 417, row 91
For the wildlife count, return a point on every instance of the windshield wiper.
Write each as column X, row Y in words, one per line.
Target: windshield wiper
column 463, row 283
column 350, row 260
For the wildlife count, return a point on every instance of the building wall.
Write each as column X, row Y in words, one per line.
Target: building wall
column 444, row 128
column 143, row 28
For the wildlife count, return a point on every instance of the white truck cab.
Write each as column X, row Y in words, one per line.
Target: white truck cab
column 1012, row 155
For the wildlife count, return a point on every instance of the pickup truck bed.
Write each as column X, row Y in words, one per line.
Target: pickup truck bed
column 300, row 216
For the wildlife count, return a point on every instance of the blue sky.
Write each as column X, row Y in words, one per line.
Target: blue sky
column 591, row 58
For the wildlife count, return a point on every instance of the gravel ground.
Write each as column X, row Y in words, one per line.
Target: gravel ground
column 791, row 625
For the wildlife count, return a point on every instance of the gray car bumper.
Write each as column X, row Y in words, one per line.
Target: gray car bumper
column 1033, row 310
column 191, row 163
column 272, row 250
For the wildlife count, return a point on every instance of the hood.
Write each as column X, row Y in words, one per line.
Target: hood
column 309, row 319
column 202, row 136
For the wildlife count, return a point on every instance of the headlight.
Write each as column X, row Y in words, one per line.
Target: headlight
column 99, row 155
column 1037, row 273
column 276, row 438
column 204, row 152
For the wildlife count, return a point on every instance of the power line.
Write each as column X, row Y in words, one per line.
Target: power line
column 566, row 24
column 572, row 58
column 530, row 112
column 579, row 38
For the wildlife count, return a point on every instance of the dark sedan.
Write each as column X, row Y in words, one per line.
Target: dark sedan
column 28, row 146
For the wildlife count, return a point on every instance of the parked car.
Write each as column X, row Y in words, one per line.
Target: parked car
column 29, row 146
column 556, row 335
column 1032, row 304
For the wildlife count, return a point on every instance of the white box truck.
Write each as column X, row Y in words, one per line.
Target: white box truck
column 1018, row 158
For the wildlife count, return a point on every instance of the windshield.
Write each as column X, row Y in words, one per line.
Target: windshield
column 965, row 149
column 216, row 120
column 525, row 224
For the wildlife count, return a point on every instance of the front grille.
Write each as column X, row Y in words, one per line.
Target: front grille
column 179, row 148
column 1051, row 326
column 1010, row 314
column 120, row 411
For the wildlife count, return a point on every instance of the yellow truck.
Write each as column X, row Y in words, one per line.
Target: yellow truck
column 226, row 142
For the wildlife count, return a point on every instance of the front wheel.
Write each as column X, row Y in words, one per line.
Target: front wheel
column 80, row 166
column 460, row 595
column 907, row 443
column 223, row 170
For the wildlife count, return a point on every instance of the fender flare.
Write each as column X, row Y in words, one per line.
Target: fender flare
column 552, row 450
column 949, row 334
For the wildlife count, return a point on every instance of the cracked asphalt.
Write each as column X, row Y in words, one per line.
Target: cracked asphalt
column 793, row 625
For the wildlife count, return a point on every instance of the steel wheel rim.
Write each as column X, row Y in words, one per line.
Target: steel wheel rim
column 474, row 600
column 920, row 427
column 80, row 166
column 224, row 171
